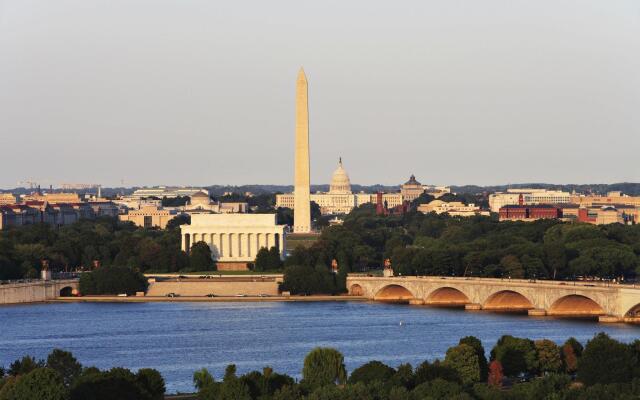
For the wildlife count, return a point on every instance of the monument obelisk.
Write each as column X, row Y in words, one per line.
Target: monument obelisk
column 302, row 200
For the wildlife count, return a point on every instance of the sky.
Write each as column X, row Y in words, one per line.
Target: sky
column 199, row 92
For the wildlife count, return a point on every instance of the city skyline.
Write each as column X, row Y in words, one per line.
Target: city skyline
column 453, row 93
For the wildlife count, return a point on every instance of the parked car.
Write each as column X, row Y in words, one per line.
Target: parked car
column 211, row 295
column 173, row 294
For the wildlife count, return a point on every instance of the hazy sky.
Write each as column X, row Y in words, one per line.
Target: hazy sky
column 202, row 92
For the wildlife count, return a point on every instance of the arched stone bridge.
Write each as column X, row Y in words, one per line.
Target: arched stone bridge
column 607, row 302
column 36, row 290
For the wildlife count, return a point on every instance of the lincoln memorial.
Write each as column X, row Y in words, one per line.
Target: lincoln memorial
column 234, row 238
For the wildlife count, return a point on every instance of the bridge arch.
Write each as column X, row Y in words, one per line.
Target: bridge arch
column 507, row 300
column 447, row 296
column 634, row 312
column 393, row 292
column 356, row 290
column 575, row 305
column 66, row 291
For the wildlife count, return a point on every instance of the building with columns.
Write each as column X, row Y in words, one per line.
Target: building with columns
column 234, row 239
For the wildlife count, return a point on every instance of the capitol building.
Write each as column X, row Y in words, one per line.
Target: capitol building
column 341, row 200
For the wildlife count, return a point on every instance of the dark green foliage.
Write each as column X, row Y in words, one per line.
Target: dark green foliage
column 40, row 383
column 24, row 365
column 440, row 389
column 200, row 258
column 323, row 366
column 112, row 280
column 65, row 364
column 309, row 280
column 515, row 354
column 151, row 382
column 464, row 359
column 81, row 245
column 605, row 360
column 548, row 355
column 437, row 370
column 479, row 349
column 268, row 259
column 118, row 383
column 370, row 372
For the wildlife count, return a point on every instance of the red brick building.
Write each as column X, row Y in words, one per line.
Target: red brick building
column 530, row 212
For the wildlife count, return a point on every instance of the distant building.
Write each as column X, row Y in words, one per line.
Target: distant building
column 453, row 208
column 149, row 217
column 53, row 197
column 169, row 192
column 609, row 214
column 201, row 203
column 341, row 200
column 411, row 190
column 529, row 212
column 611, row 198
column 7, row 198
column 529, row 196
column 234, row 239
column 55, row 214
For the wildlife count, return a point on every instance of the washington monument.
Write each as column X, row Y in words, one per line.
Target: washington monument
column 302, row 201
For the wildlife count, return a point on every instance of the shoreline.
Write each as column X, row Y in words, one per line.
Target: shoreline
column 221, row 299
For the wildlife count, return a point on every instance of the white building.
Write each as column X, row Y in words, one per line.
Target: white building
column 529, row 197
column 164, row 191
column 453, row 208
column 340, row 199
column 234, row 238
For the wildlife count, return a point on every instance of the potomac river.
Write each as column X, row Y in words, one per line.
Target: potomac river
column 179, row 338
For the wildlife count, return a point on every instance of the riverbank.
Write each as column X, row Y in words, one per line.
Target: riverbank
column 145, row 299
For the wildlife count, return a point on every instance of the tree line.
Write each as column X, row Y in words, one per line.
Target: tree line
column 418, row 244
column 62, row 377
column 517, row 368
column 105, row 242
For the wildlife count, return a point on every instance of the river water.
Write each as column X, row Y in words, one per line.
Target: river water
column 178, row 338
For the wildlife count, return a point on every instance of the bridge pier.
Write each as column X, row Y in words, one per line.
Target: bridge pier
column 537, row 312
column 473, row 307
column 610, row 319
column 416, row 302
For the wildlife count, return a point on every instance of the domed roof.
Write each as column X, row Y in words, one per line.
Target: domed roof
column 412, row 181
column 200, row 197
column 340, row 183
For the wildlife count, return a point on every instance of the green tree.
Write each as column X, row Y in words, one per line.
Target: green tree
column 40, row 383
column 200, row 258
column 24, row 365
column 323, row 366
column 440, row 389
column 427, row 371
column 605, row 360
column 512, row 267
column 112, row 280
column 262, row 260
column 151, row 382
column 516, row 355
column 549, row 358
column 65, row 364
column 482, row 358
column 370, row 372
column 464, row 359
column 117, row 383
column 233, row 388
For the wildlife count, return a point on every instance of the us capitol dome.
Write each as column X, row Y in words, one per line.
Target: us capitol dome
column 340, row 183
